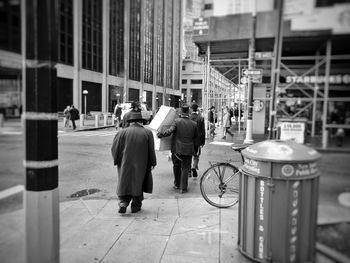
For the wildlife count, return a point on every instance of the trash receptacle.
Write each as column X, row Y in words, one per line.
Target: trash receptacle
column 278, row 202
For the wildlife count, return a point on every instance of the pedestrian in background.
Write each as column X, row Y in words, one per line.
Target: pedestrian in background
column 74, row 115
column 226, row 123
column 184, row 133
column 135, row 107
column 118, row 114
column 197, row 117
column 66, row 116
column 212, row 120
column 133, row 154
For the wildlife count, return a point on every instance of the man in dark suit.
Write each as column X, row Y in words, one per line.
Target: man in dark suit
column 200, row 139
column 182, row 147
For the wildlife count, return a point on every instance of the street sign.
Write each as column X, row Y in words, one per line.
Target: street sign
column 201, row 26
column 252, row 72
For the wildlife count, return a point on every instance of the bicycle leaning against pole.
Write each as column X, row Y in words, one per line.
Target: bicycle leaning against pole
column 219, row 184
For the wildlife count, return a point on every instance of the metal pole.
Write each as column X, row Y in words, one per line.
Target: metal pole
column 239, row 98
column 85, row 103
column 276, row 68
column 326, row 95
column 251, row 65
column 41, row 198
column 315, row 97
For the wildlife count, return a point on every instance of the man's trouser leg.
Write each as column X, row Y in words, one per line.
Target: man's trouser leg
column 124, row 200
column 137, row 201
column 176, row 169
column 185, row 169
column 196, row 157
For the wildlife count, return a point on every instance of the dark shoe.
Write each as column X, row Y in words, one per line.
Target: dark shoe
column 175, row 187
column 135, row 209
column 224, row 138
column 194, row 172
column 182, row 191
column 122, row 210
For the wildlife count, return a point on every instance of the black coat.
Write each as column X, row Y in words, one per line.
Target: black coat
column 133, row 153
column 185, row 133
column 198, row 118
column 74, row 114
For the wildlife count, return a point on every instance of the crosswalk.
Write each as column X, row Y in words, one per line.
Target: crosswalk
column 85, row 134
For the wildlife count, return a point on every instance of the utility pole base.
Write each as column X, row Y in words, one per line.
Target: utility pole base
column 249, row 132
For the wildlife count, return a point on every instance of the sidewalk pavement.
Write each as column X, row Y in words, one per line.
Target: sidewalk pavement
column 179, row 229
column 165, row 230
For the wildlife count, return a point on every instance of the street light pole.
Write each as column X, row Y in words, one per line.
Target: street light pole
column 276, row 67
column 85, row 92
column 251, row 65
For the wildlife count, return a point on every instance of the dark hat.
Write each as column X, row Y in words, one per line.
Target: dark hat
column 185, row 109
column 135, row 116
column 194, row 106
column 135, row 104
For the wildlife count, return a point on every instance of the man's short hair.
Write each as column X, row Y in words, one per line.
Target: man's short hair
column 194, row 106
column 135, row 104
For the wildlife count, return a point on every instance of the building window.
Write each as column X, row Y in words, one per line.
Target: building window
column 160, row 43
column 176, row 46
column 208, row 6
column 196, row 81
column 169, row 44
column 135, row 38
column 65, row 34
column 92, row 35
column 149, row 33
column 183, row 67
column 10, row 26
column 116, row 40
column 184, row 81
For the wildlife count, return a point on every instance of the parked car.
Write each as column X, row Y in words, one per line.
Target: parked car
column 146, row 114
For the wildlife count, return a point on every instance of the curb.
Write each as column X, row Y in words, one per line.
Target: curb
column 95, row 128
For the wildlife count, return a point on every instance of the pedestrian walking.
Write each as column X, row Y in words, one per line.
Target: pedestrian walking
column 135, row 107
column 133, row 154
column 66, row 116
column 184, row 133
column 226, row 123
column 197, row 117
column 74, row 115
column 212, row 121
column 118, row 114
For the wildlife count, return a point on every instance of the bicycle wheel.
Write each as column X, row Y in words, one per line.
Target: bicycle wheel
column 220, row 185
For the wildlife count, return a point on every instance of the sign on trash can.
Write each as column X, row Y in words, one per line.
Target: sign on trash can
column 278, row 202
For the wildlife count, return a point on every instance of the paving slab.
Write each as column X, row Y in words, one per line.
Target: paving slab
column 151, row 226
column 201, row 243
column 137, row 248
column 12, row 237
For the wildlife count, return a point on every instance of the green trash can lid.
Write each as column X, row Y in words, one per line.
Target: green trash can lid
column 280, row 151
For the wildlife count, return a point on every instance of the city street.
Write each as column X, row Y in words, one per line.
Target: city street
column 86, row 167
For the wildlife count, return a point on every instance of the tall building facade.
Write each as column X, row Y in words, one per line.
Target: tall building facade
column 193, row 85
column 111, row 50
column 193, row 78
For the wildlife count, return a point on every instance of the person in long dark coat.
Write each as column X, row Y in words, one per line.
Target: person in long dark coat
column 182, row 147
column 197, row 117
column 134, row 155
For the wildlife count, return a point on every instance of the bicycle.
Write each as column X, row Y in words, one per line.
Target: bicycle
column 219, row 184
